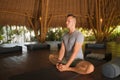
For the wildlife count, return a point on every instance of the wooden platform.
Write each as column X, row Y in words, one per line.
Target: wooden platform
column 34, row 65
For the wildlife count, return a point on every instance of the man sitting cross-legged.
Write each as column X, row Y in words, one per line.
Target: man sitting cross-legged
column 70, row 57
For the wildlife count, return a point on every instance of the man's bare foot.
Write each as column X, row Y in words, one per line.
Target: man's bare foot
column 83, row 67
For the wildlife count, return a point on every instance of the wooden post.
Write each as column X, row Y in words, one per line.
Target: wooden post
column 44, row 20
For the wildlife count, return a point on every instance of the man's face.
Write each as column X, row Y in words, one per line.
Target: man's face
column 69, row 22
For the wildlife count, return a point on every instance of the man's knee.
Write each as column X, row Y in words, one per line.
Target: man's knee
column 53, row 58
column 86, row 67
column 90, row 68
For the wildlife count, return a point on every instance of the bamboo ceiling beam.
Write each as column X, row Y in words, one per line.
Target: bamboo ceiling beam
column 17, row 13
column 64, row 15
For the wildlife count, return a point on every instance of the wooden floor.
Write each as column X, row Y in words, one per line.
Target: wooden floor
column 34, row 65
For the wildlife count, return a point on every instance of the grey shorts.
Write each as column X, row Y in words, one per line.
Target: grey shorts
column 64, row 61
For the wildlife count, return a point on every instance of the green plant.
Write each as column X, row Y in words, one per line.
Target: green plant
column 1, row 37
column 51, row 36
column 114, row 36
column 55, row 34
column 1, row 33
column 90, row 38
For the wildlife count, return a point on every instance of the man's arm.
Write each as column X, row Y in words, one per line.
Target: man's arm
column 61, row 52
column 77, row 47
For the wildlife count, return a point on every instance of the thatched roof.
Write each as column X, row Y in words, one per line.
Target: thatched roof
column 41, row 14
column 58, row 10
column 13, row 11
column 17, row 11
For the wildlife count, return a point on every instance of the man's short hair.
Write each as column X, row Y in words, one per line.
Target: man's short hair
column 71, row 15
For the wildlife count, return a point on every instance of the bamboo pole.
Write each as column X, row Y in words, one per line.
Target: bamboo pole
column 50, row 21
column 111, row 18
column 34, row 28
column 46, row 14
column 97, row 19
column 44, row 20
column 92, row 26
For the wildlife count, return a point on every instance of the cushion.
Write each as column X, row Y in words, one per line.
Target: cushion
column 95, row 46
column 10, row 49
column 37, row 46
column 97, row 56
column 112, row 68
